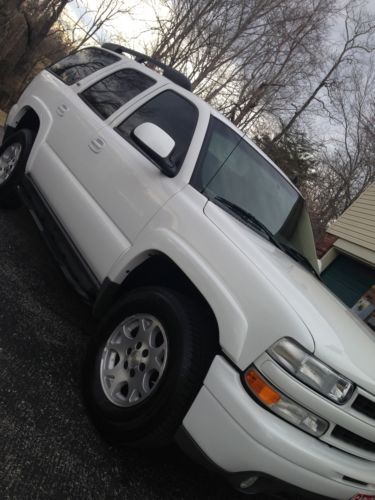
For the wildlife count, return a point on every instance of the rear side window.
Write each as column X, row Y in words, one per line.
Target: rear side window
column 171, row 112
column 109, row 94
column 73, row 68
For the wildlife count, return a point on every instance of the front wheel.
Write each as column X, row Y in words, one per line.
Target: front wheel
column 146, row 364
column 14, row 154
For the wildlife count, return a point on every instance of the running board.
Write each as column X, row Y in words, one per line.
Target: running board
column 71, row 263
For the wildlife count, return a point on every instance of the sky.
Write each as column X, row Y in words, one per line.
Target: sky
column 136, row 30
column 135, row 27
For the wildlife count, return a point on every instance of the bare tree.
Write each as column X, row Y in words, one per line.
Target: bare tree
column 36, row 17
column 246, row 57
column 287, row 63
column 347, row 165
column 13, row 34
column 46, row 35
column 359, row 37
column 296, row 154
column 90, row 23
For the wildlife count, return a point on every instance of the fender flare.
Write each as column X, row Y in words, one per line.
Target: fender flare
column 227, row 310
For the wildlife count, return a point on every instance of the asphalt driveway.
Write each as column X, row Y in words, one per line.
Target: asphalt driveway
column 49, row 448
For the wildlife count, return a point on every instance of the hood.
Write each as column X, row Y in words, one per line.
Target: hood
column 341, row 339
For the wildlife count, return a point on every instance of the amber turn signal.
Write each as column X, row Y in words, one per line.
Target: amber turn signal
column 260, row 388
column 282, row 406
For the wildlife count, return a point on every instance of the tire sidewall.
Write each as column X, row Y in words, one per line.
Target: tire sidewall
column 134, row 420
column 25, row 138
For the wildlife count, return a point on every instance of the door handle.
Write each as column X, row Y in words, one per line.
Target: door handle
column 97, row 144
column 61, row 110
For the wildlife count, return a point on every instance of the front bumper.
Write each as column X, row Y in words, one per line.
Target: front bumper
column 238, row 435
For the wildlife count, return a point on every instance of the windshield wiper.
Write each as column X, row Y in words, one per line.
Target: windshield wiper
column 250, row 218
column 296, row 255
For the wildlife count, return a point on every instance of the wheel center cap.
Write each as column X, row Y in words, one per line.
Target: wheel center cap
column 135, row 356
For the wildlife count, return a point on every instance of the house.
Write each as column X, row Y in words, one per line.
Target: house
column 347, row 251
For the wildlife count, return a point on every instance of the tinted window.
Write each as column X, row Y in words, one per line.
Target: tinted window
column 73, row 68
column 171, row 112
column 232, row 169
column 109, row 94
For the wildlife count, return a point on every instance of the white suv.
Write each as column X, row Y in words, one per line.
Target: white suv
column 197, row 255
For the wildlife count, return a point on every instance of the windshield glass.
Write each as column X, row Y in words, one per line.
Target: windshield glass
column 230, row 168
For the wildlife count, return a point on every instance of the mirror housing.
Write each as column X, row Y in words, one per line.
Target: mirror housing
column 157, row 144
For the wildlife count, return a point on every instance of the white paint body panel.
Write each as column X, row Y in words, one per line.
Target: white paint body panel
column 341, row 339
column 235, row 292
column 118, row 208
column 93, row 232
column 239, row 435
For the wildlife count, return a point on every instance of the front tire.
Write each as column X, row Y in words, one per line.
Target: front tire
column 14, row 154
column 146, row 364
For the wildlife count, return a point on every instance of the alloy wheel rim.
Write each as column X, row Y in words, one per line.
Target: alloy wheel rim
column 8, row 160
column 133, row 360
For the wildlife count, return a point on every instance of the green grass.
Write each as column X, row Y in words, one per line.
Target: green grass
column 2, row 118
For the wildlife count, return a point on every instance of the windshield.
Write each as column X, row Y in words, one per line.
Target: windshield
column 231, row 169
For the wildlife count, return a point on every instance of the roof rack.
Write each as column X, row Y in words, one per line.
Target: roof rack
column 170, row 73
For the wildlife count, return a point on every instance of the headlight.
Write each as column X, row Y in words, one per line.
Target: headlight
column 283, row 406
column 312, row 372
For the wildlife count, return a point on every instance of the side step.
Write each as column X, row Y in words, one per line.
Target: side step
column 72, row 264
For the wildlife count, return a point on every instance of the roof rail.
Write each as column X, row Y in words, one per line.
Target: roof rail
column 170, row 73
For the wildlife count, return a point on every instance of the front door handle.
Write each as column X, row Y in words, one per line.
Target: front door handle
column 60, row 111
column 97, row 144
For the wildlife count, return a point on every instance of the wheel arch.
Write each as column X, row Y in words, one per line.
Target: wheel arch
column 150, row 269
column 27, row 118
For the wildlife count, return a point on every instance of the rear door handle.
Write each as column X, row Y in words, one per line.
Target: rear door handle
column 97, row 144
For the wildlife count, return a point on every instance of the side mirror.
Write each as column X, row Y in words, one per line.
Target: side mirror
column 157, row 144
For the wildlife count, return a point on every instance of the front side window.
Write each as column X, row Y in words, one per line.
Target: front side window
column 231, row 169
column 174, row 114
column 83, row 63
column 109, row 94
